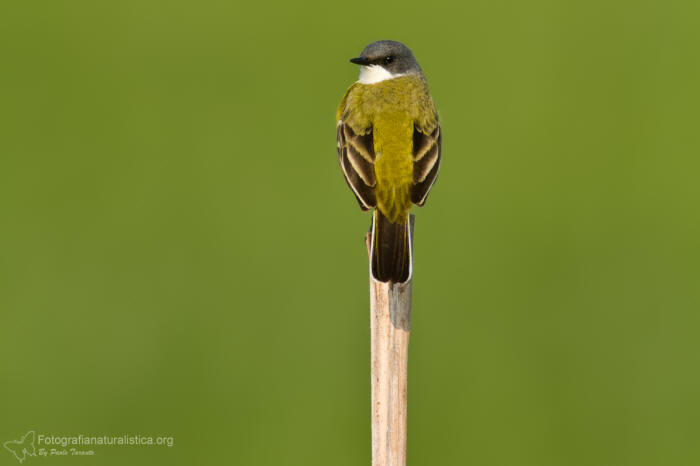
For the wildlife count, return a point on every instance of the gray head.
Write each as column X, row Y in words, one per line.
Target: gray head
column 386, row 59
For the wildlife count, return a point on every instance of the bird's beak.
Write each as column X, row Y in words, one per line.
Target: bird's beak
column 360, row 61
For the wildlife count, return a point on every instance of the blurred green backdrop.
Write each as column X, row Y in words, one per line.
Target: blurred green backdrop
column 179, row 254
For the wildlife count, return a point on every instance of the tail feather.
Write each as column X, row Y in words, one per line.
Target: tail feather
column 391, row 249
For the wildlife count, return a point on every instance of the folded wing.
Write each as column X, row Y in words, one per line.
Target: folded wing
column 356, row 157
column 427, row 144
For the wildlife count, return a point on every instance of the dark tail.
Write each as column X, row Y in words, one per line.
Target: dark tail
column 391, row 249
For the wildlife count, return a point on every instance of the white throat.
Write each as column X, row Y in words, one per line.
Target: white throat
column 373, row 74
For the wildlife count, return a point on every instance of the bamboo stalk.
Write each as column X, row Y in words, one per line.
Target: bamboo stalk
column 390, row 327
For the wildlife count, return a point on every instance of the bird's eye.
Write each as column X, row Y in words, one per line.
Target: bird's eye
column 388, row 59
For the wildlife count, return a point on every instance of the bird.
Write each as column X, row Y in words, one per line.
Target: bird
column 389, row 148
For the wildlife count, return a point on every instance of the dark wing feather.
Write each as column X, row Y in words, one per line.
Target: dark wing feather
column 356, row 157
column 426, row 162
column 362, row 165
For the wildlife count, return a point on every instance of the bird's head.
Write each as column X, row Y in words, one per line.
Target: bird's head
column 385, row 59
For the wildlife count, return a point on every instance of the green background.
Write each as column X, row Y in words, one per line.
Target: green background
column 179, row 254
